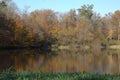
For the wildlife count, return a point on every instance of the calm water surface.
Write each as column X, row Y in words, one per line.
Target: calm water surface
column 63, row 61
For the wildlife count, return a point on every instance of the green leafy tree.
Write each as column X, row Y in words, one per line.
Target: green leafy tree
column 86, row 11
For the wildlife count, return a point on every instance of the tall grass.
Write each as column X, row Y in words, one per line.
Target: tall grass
column 10, row 75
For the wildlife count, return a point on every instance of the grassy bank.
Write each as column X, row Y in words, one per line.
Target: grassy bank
column 114, row 42
column 55, row 76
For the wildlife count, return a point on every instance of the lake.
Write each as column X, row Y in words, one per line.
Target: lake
column 99, row 61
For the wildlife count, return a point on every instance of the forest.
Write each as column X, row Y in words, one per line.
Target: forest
column 79, row 28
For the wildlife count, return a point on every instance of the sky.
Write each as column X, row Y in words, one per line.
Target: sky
column 100, row 6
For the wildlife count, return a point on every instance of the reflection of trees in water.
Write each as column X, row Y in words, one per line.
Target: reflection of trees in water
column 19, row 59
column 5, row 61
column 115, row 58
column 28, row 60
column 64, row 61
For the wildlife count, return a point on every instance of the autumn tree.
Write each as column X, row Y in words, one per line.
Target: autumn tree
column 38, row 26
column 84, row 23
column 69, row 19
column 7, row 23
column 115, row 20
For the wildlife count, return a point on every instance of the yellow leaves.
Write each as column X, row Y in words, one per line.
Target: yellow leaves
column 30, row 35
column 19, row 23
column 54, row 31
column 42, row 37
column 82, row 22
column 115, row 18
column 72, row 31
column 18, row 26
column 109, row 34
column 90, row 34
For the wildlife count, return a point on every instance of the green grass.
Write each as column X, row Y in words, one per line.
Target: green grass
column 8, row 75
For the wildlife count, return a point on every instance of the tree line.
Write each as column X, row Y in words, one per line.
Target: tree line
column 79, row 27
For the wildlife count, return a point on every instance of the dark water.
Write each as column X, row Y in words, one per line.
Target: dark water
column 63, row 61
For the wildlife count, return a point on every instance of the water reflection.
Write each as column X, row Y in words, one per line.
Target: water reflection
column 64, row 61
